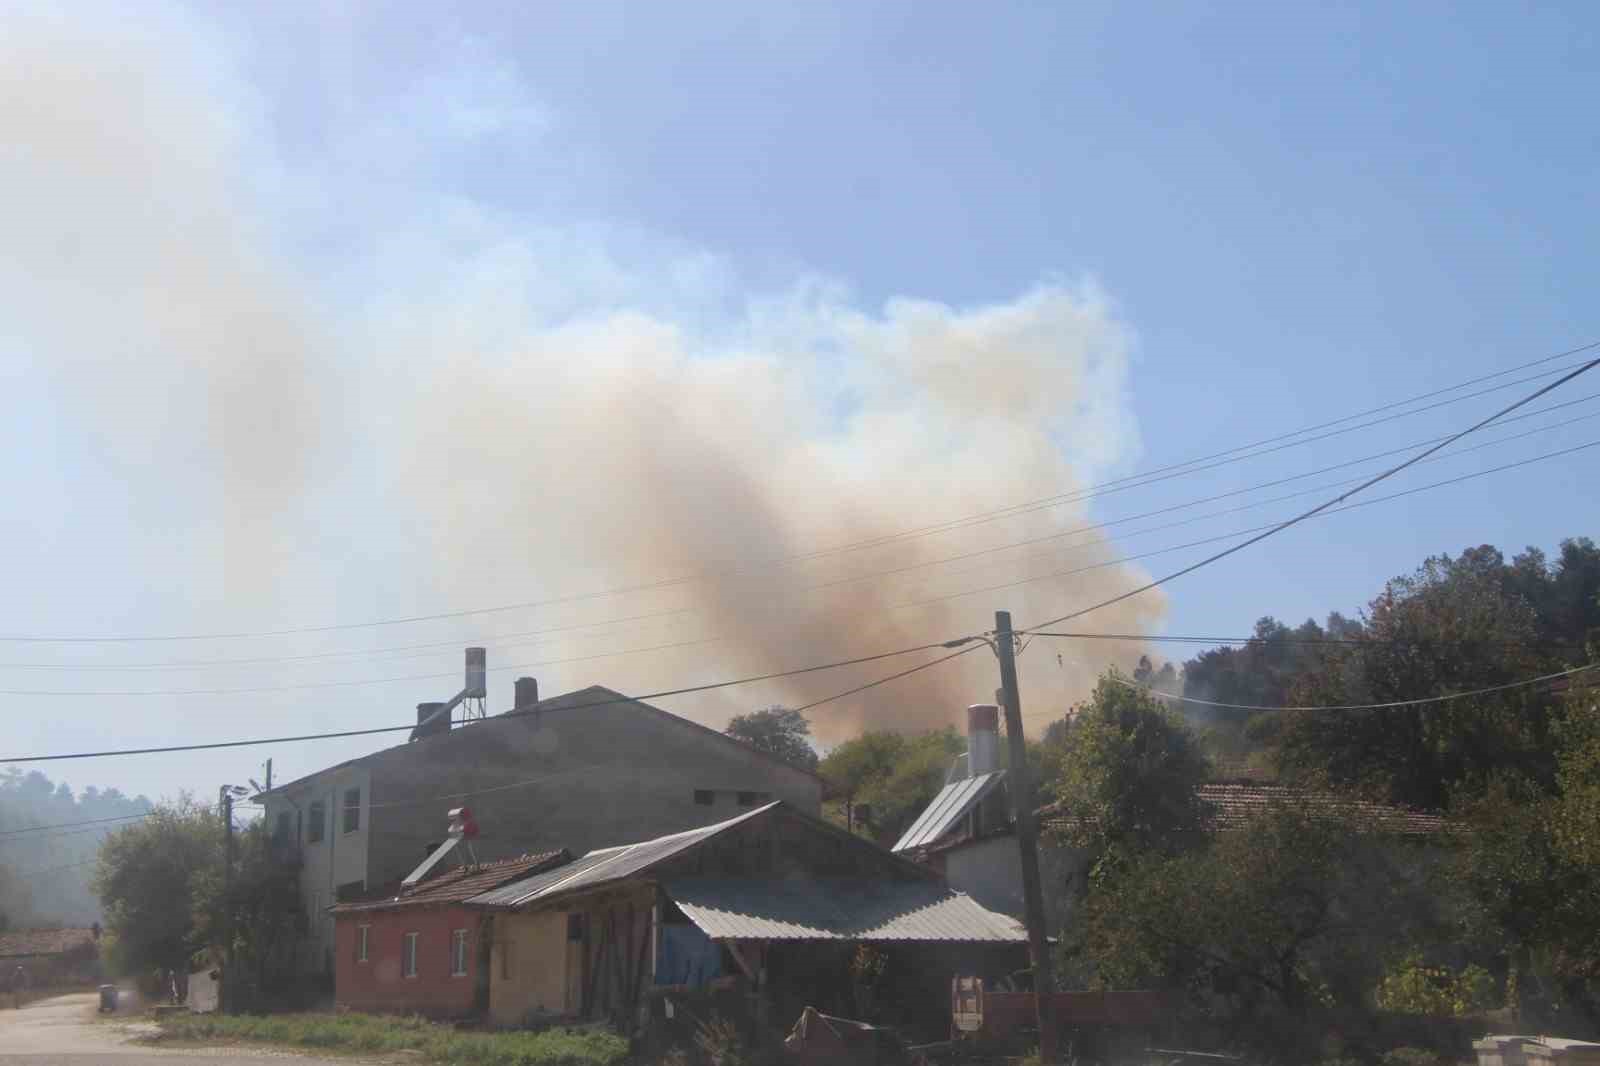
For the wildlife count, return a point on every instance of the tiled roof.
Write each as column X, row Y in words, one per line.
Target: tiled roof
column 20, row 943
column 1234, row 803
column 848, row 909
column 461, row 883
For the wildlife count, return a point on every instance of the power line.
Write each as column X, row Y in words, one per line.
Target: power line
column 1134, row 557
column 498, row 640
column 713, row 639
column 508, row 714
column 892, row 677
column 66, row 825
column 1173, row 470
column 1370, row 642
column 1319, row 508
column 1541, row 679
column 56, row 869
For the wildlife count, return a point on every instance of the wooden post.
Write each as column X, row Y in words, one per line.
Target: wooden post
column 1027, row 837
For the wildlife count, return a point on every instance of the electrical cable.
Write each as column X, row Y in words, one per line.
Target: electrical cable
column 1147, row 477
column 162, row 749
column 1371, row 642
column 1541, row 679
column 1090, row 528
column 1325, row 505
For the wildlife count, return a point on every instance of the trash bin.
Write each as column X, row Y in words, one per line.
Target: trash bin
column 108, row 997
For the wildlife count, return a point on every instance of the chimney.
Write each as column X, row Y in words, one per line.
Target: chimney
column 983, row 739
column 527, row 693
column 426, row 711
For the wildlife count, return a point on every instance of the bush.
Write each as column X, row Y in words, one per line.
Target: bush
column 440, row 1043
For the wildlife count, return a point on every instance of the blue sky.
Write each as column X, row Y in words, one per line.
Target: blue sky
column 540, row 299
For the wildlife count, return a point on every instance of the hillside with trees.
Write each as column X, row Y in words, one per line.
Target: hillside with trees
column 62, row 896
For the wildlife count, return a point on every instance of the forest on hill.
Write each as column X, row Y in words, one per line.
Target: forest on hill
column 45, row 872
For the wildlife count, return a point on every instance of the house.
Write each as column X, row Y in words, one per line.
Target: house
column 580, row 770
column 416, row 949
column 773, row 902
column 52, row 957
column 968, row 831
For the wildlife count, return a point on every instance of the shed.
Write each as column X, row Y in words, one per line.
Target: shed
column 774, row 902
column 51, row 956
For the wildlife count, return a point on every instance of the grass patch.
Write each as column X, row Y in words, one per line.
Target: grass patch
column 375, row 1033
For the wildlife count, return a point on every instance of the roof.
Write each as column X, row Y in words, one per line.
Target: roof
column 457, row 885
column 952, row 804
column 838, row 909
column 23, row 943
column 606, row 865
column 1234, row 803
column 576, row 700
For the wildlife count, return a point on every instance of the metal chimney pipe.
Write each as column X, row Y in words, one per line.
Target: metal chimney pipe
column 983, row 739
column 527, row 692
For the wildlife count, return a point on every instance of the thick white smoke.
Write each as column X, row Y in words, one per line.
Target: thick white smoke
column 555, row 419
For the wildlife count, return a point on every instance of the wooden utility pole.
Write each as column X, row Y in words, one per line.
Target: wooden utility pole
column 1021, row 785
column 223, row 998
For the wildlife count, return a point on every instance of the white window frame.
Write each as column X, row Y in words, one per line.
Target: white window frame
column 345, row 812
column 408, row 955
column 363, row 940
column 458, row 953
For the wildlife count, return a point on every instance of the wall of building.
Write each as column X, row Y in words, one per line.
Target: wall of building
column 598, row 776
column 990, row 871
column 529, row 970
column 339, row 858
column 378, row 986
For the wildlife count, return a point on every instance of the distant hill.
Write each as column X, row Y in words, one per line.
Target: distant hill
column 44, row 875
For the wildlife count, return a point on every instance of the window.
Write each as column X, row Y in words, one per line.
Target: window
column 280, row 833
column 507, row 965
column 704, row 797
column 458, row 953
column 316, row 819
column 362, row 933
column 751, row 799
column 352, row 809
column 575, row 926
column 408, row 956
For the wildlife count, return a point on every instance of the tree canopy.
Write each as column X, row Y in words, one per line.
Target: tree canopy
column 778, row 731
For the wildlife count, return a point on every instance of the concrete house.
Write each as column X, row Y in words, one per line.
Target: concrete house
column 576, row 771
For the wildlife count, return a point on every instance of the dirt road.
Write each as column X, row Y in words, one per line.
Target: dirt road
column 67, row 1031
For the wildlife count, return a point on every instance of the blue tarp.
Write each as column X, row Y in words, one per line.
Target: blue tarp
column 688, row 956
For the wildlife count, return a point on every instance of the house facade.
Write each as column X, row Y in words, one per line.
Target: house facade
column 419, row 950
column 577, row 771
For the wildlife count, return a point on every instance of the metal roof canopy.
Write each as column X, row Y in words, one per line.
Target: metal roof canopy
column 843, row 909
column 953, row 803
column 606, row 865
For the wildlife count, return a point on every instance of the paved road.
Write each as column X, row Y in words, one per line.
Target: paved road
column 67, row 1031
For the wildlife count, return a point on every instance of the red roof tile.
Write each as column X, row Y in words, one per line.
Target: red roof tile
column 21, row 943
column 458, row 884
column 1234, row 803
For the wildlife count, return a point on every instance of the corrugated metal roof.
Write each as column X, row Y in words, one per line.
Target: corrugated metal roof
column 455, row 886
column 948, row 807
column 838, row 909
column 606, row 865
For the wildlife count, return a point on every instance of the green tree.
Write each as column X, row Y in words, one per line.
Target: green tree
column 778, row 731
column 1300, row 909
column 896, row 775
column 1457, row 624
column 149, row 878
column 1125, row 774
